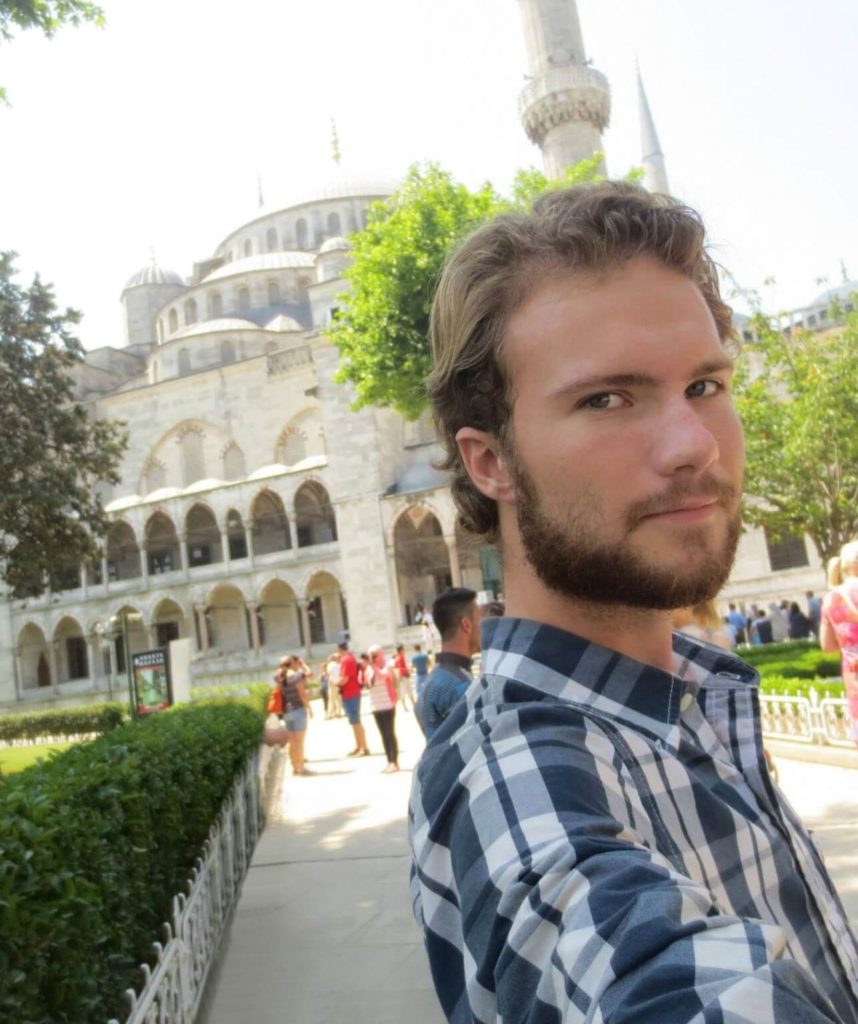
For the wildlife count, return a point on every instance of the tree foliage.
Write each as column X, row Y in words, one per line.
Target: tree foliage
column 797, row 395
column 52, row 454
column 382, row 328
column 45, row 15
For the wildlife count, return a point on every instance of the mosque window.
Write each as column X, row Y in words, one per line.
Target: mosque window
column 184, row 361
column 193, row 462
column 190, row 311
column 273, row 293
column 786, row 551
column 173, row 320
column 811, row 321
column 215, row 304
column 160, row 330
column 243, row 299
column 233, row 463
column 293, row 446
column 301, row 233
column 271, row 240
column 334, row 225
column 154, row 476
column 248, row 248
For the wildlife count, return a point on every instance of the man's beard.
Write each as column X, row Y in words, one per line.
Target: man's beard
column 571, row 558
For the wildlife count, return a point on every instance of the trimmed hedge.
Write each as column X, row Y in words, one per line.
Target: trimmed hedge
column 94, row 844
column 788, row 650
column 64, row 722
column 781, row 686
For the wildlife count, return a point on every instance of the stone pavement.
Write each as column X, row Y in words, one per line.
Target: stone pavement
column 323, row 931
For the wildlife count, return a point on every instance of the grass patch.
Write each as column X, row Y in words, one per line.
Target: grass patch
column 16, row 759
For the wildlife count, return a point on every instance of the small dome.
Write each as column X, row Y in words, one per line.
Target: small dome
column 842, row 293
column 264, row 261
column 283, row 323
column 153, row 274
column 226, row 323
column 337, row 244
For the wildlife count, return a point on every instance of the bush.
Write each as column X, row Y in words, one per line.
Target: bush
column 782, row 686
column 63, row 722
column 95, row 844
column 788, row 650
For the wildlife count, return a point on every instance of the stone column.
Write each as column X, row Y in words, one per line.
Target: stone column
column 183, row 553
column 144, row 563
column 18, row 671
column 248, row 540
column 224, row 545
column 200, row 609
column 151, row 637
column 304, row 608
column 453, row 552
column 53, row 661
column 393, row 576
column 93, row 648
column 84, row 582
column 254, row 626
column 105, row 578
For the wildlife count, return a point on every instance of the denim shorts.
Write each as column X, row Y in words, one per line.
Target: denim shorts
column 296, row 721
column 352, row 709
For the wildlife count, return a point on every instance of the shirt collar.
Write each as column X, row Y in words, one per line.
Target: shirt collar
column 570, row 668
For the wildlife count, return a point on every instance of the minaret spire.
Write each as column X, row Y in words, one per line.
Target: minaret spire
column 655, row 174
column 566, row 104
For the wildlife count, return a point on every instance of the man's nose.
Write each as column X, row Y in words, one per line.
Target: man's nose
column 685, row 443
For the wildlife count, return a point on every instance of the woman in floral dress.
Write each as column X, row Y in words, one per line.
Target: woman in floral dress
column 839, row 625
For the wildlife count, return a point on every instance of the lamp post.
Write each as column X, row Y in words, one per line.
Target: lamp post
column 104, row 646
column 120, row 623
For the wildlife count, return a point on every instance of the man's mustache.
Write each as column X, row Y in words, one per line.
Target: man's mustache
column 705, row 490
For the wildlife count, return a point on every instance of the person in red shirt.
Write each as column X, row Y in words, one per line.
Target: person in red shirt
column 350, row 690
column 403, row 679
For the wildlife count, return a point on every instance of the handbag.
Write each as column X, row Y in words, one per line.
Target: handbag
column 275, row 701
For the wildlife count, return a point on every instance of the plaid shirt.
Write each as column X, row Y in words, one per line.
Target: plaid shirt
column 595, row 839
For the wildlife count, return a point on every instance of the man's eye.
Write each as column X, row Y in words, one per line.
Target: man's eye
column 703, row 388
column 605, row 400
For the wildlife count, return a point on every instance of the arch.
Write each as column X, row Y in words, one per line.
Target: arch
column 154, row 476
column 137, row 638
column 479, row 563
column 279, row 617
column 271, row 239
column 123, row 553
column 315, row 521
column 190, row 312
column 173, row 321
column 273, row 293
column 34, row 658
column 71, row 653
column 302, row 438
column 326, row 609
column 301, row 233
column 291, row 447
column 243, row 299
column 421, row 558
column 203, row 537
column 335, row 227
column 226, row 618
column 162, row 544
column 192, row 455
column 169, row 621
column 235, row 535
column 227, row 351
column 184, row 361
column 233, row 462
column 270, row 524
column 215, row 305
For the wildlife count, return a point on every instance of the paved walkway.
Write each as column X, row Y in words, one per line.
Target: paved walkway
column 323, row 931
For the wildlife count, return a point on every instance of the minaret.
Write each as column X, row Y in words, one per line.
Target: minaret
column 566, row 105
column 655, row 175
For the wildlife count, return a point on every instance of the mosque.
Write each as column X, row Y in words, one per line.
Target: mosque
column 258, row 513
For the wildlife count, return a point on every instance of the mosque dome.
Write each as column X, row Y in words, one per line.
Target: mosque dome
column 337, row 244
column 841, row 293
column 283, row 323
column 152, row 273
column 226, row 323
column 346, row 184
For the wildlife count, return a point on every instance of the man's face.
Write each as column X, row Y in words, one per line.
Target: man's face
column 471, row 625
column 625, row 451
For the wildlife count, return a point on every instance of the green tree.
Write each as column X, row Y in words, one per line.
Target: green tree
column 798, row 398
column 45, row 15
column 382, row 328
column 52, row 454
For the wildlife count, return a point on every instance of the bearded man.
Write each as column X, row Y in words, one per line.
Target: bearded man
column 594, row 830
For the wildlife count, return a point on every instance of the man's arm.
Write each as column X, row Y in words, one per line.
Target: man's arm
column 568, row 914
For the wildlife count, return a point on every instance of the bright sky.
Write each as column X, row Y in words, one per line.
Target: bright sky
column 149, row 134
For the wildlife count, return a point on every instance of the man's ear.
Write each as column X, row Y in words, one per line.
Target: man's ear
column 485, row 464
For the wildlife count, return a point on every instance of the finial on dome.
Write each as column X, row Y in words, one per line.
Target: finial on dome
column 335, row 143
column 843, row 271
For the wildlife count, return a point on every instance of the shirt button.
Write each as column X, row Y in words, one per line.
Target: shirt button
column 686, row 701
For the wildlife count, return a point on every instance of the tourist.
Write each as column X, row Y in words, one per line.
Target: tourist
column 703, row 622
column 594, row 835
column 761, row 628
column 814, row 611
column 420, row 661
column 739, row 623
column 382, row 695
column 839, row 622
column 799, row 623
column 335, row 697
column 403, row 678
column 779, row 621
column 350, row 691
column 296, row 709
column 457, row 617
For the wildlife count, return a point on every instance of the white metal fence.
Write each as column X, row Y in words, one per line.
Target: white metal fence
column 173, row 988
column 811, row 719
